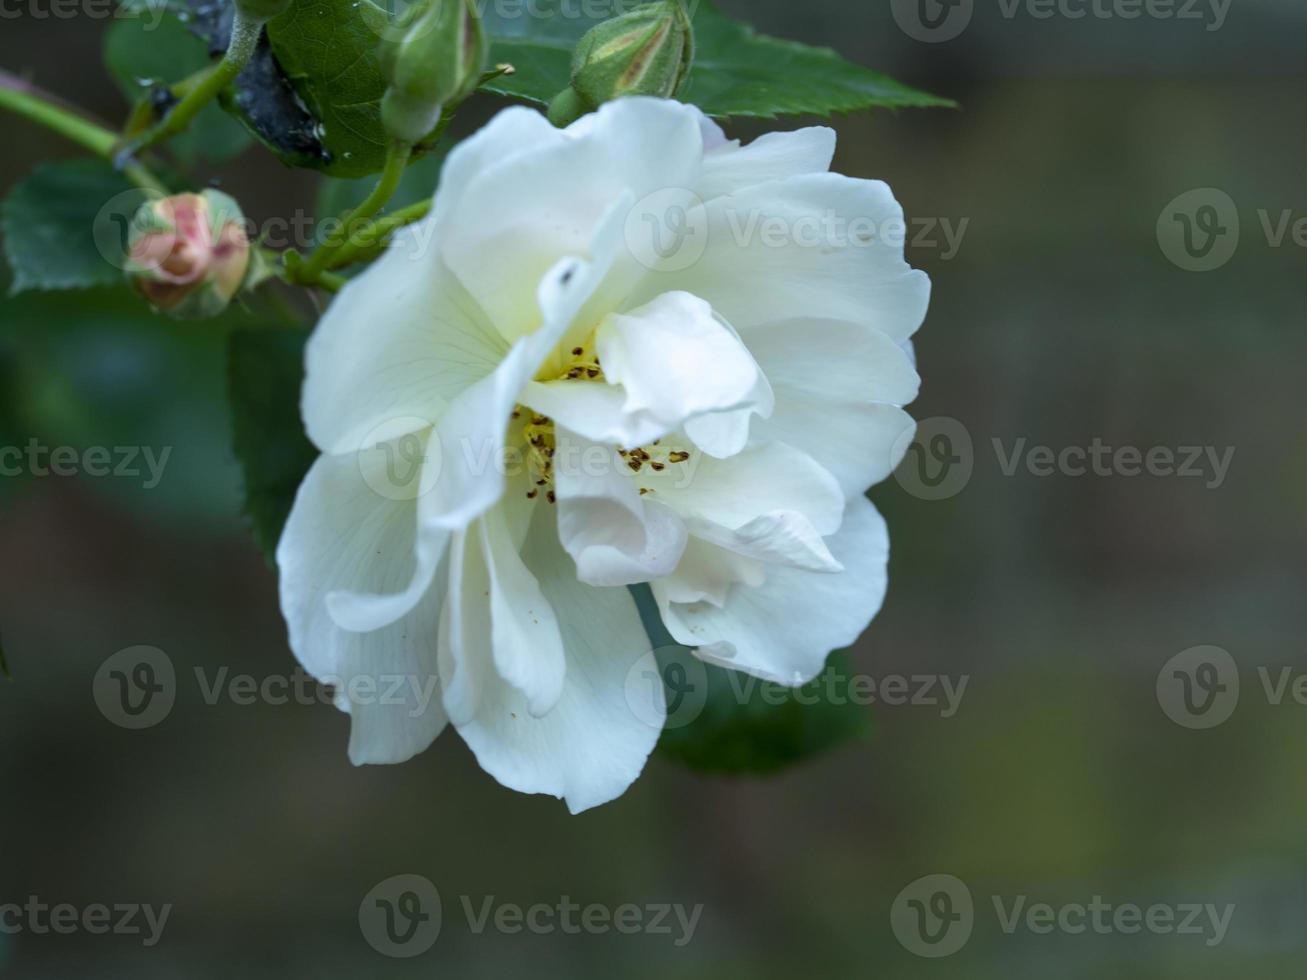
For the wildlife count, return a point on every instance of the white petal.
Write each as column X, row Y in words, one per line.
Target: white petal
column 676, row 360
column 817, row 245
column 782, row 537
column 528, row 646
column 343, row 535
column 615, row 536
column 595, row 741
column 784, row 629
column 519, row 216
column 707, row 573
column 859, row 445
column 395, row 346
column 362, row 612
column 764, row 479
column 596, row 410
column 515, row 131
column 773, row 156
column 465, row 646
column 835, row 361
column 836, row 386
column 723, row 434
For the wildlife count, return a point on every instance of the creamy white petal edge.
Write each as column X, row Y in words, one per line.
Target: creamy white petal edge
column 778, row 374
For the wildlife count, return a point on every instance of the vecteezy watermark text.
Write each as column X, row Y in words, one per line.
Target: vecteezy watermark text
column 939, row 457
column 39, row 918
column 934, row 916
column 136, row 688
column 402, row 917
column 683, row 679
column 116, row 462
column 935, row 21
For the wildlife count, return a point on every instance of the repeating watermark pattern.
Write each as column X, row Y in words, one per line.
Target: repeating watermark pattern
column 1200, row 687
column 685, row 681
column 934, row 916
column 939, row 459
column 144, row 463
column 150, row 12
column 1200, row 230
column 1099, row 459
column 137, row 688
column 403, row 459
column 671, row 229
column 668, row 230
column 402, row 916
column 38, row 918
column 936, row 21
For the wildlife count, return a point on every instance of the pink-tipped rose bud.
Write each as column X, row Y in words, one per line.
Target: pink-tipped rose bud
column 189, row 254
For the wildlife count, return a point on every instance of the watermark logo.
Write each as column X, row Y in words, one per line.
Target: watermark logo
column 1199, row 230
column 119, row 221
column 1199, row 687
column 401, row 458
column 937, row 458
column 932, row 21
column 136, row 687
column 401, row 917
column 682, row 680
column 933, row 916
column 668, row 229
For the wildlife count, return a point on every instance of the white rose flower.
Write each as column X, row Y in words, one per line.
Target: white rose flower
column 591, row 408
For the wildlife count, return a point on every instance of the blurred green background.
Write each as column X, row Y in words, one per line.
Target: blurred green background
column 1058, row 320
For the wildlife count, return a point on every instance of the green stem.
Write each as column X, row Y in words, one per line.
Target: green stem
column 245, row 33
column 397, row 157
column 27, row 101
column 374, row 235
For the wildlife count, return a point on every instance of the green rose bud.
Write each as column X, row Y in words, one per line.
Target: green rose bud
column 436, row 59
column 189, row 254
column 647, row 51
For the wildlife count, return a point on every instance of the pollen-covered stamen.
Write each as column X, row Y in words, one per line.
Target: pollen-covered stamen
column 540, row 448
column 582, row 365
column 657, row 457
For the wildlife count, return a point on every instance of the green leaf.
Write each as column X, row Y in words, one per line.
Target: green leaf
column 265, row 374
column 737, row 72
column 4, row 664
column 328, row 49
column 65, row 226
column 146, row 54
column 745, row 725
column 724, row 721
column 96, row 368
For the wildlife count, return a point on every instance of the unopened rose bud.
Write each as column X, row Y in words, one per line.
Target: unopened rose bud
column 189, row 254
column 647, row 51
column 436, row 59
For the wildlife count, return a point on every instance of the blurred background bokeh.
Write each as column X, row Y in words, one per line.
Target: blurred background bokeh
column 1056, row 320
